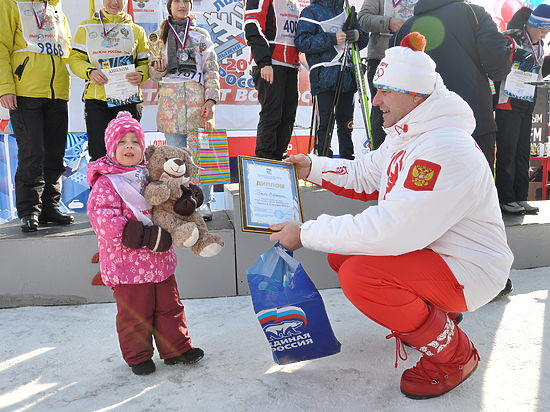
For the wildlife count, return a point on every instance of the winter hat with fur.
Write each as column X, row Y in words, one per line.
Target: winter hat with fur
column 117, row 128
column 406, row 68
column 540, row 18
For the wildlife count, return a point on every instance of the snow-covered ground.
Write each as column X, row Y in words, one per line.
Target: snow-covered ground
column 67, row 359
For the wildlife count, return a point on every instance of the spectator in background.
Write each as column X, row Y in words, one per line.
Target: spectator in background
column 109, row 39
column 269, row 27
column 34, row 86
column 189, row 81
column 381, row 18
column 514, row 110
column 321, row 38
column 469, row 50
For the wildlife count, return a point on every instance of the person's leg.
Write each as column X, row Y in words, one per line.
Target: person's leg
column 174, row 139
column 208, row 192
column 344, row 121
column 507, row 137
column 28, row 126
column 410, row 295
column 325, row 101
column 170, row 326
column 134, row 321
column 376, row 119
column 97, row 115
column 523, row 156
column 271, row 97
column 290, row 104
column 406, row 283
column 135, row 109
column 55, row 140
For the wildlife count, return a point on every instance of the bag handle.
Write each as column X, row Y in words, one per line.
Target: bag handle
column 287, row 256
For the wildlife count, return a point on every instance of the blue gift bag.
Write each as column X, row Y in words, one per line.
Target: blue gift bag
column 289, row 308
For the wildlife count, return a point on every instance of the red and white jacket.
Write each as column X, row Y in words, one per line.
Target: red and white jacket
column 434, row 190
column 270, row 27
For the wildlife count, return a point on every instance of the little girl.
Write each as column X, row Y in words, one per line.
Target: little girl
column 136, row 257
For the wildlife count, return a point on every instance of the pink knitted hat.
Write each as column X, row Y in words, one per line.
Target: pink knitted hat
column 117, row 128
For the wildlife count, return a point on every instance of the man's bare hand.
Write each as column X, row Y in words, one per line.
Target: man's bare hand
column 9, row 101
column 395, row 24
column 302, row 163
column 267, row 74
column 340, row 37
column 287, row 234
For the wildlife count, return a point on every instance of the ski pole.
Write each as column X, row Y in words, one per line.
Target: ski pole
column 332, row 119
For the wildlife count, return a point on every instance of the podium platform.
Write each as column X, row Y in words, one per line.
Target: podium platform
column 52, row 266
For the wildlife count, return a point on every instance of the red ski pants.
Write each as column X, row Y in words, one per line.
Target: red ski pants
column 147, row 310
column 394, row 291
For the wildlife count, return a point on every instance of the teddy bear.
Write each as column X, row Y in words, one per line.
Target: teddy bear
column 175, row 199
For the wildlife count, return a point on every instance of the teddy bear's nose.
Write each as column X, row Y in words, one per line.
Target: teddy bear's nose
column 179, row 162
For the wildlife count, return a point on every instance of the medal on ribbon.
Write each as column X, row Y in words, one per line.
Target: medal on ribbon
column 182, row 42
column 40, row 21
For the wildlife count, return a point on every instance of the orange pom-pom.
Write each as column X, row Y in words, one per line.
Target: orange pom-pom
column 414, row 41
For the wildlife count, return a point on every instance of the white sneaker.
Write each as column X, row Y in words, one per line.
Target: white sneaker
column 205, row 212
column 529, row 210
column 512, row 208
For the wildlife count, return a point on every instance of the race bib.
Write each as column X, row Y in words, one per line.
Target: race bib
column 112, row 50
column 43, row 29
column 402, row 9
column 287, row 14
column 333, row 25
column 517, row 86
column 185, row 76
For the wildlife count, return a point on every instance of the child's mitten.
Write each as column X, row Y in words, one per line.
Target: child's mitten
column 136, row 235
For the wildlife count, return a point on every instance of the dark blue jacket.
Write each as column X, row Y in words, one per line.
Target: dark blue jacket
column 318, row 46
column 467, row 48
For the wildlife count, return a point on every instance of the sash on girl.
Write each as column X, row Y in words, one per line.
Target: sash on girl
column 130, row 187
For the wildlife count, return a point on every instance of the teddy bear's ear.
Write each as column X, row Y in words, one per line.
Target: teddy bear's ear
column 149, row 151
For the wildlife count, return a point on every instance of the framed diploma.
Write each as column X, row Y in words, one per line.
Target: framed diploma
column 269, row 193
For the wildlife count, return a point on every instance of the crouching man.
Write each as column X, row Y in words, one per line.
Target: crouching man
column 435, row 243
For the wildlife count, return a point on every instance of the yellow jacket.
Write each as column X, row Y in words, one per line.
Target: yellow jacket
column 79, row 60
column 27, row 73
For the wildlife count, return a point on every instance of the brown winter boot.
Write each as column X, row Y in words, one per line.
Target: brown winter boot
column 448, row 357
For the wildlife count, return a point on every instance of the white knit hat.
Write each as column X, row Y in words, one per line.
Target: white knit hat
column 406, row 68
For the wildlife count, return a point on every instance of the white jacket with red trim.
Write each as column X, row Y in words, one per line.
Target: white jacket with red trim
column 270, row 27
column 434, row 190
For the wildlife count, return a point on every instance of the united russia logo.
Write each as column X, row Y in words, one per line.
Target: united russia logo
column 284, row 327
column 282, row 322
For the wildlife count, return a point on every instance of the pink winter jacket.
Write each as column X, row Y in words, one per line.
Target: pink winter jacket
column 108, row 215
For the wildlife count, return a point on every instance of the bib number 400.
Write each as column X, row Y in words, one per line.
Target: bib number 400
column 290, row 26
column 49, row 48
